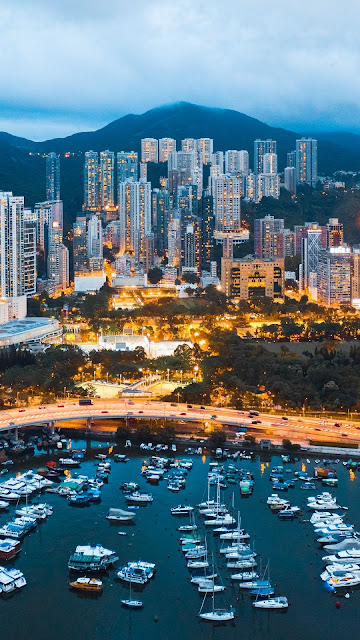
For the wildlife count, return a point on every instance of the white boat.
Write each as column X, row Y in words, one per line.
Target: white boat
column 119, row 515
column 343, row 557
column 68, row 463
column 11, row 579
column 321, row 516
column 197, row 564
column 209, row 586
column 245, row 575
column 140, row 498
column 344, row 579
column 3, row 505
column 92, row 558
column 333, row 570
column 347, row 544
column 182, row 510
column 218, row 615
column 272, row 603
column 9, row 496
column 225, row 520
column 188, row 528
column 242, row 564
column 132, row 604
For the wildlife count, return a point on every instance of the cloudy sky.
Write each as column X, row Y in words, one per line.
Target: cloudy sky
column 75, row 65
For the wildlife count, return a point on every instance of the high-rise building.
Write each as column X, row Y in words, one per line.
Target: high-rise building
column 217, row 159
column 17, row 248
column 188, row 144
column 57, row 259
column 95, row 243
column 80, row 245
column 135, row 217
column 174, row 242
column 266, row 237
column 106, row 179
column 306, row 161
column 91, row 180
column 149, row 150
column 270, row 163
column 311, row 246
column 189, row 249
column 261, row 147
column 127, row 166
column 355, row 277
column 251, row 277
column 334, row 277
column 52, row 176
column 232, row 161
column 166, row 146
column 160, row 218
column 290, row 180
column 143, row 171
column 267, row 185
column 227, row 210
column 334, row 233
column 250, row 187
column 148, row 252
column 207, row 231
column 244, row 162
column 205, row 149
column 291, row 159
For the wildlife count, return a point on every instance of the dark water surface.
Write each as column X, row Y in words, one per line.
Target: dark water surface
column 46, row 608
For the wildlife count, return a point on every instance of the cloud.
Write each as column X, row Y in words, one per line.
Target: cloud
column 73, row 65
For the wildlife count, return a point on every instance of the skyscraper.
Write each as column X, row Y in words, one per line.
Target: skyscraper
column 291, row 159
column 270, row 163
column 205, row 148
column 260, row 148
column 188, row 144
column 95, row 243
column 91, row 180
column 266, row 237
column 174, row 242
column 207, row 230
column 166, row 146
column 149, row 150
column 127, row 166
column 106, row 179
column 217, row 159
column 80, row 247
column 310, row 251
column 135, row 217
column 334, row 233
column 160, row 216
column 17, row 248
column 52, row 176
column 306, row 161
column 334, row 276
column 227, row 194
column 57, row 259
column 189, row 249
column 290, row 180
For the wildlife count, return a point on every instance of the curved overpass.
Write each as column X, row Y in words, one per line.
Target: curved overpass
column 271, row 426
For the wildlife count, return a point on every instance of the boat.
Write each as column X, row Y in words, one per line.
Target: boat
column 255, row 584
column 133, row 574
column 119, row 515
column 4, row 505
column 242, row 564
column 208, row 586
column 279, row 602
column 343, row 557
column 289, row 512
column 333, row 570
column 92, row 585
column 9, row 548
column 129, row 486
column 140, row 498
column 79, row 499
column 343, row 579
column 197, row 564
column 120, row 457
column 215, row 614
column 262, row 591
column 11, row 579
column 132, row 604
column 343, row 545
column 68, row 463
column 182, row 510
column 92, row 558
column 245, row 575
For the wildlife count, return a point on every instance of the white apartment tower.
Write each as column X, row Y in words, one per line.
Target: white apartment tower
column 149, row 150
column 166, row 146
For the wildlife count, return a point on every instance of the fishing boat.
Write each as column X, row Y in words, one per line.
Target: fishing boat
column 279, row 602
column 91, row 585
column 119, row 515
column 11, row 579
column 140, row 498
column 91, row 558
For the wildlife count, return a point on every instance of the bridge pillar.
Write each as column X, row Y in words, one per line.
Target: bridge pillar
column 52, row 427
column 88, row 424
column 16, row 433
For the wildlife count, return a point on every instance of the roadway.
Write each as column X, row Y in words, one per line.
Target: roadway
column 268, row 425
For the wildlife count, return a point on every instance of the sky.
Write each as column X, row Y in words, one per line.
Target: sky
column 75, row 65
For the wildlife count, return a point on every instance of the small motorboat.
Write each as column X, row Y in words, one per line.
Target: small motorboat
column 272, row 603
column 87, row 584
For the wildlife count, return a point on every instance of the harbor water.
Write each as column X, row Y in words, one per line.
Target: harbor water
column 46, row 608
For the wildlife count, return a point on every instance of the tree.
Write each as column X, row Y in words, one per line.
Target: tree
column 217, row 438
column 190, row 277
column 154, row 275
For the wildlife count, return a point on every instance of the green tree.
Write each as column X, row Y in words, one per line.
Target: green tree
column 154, row 275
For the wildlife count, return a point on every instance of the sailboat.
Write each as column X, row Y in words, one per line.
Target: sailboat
column 216, row 615
column 130, row 603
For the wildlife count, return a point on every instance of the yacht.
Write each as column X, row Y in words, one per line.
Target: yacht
column 11, row 579
column 343, row 579
column 139, row 498
column 343, row 557
column 91, row 558
column 119, row 515
column 4, row 505
column 181, row 510
column 272, row 603
column 242, row 564
column 332, row 570
column 208, row 586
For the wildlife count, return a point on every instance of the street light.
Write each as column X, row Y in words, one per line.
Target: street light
column 196, row 369
column 107, row 377
column 181, row 375
column 168, row 372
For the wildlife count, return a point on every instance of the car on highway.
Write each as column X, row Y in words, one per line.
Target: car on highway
column 21, row 410
column 214, row 416
column 284, row 418
column 189, row 406
column 202, row 407
column 61, row 405
column 337, row 424
column 344, row 434
column 141, row 412
column 317, row 429
column 183, row 413
column 256, row 422
column 42, row 407
column 104, row 411
column 173, row 404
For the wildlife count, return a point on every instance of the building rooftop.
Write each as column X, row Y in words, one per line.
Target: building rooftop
column 17, row 331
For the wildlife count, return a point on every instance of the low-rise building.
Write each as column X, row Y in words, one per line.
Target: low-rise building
column 249, row 277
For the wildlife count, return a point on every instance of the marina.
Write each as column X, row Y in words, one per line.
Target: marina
column 165, row 567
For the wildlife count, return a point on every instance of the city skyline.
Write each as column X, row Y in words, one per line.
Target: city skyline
column 55, row 96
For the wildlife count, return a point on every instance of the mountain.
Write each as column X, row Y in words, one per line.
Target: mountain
column 22, row 167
